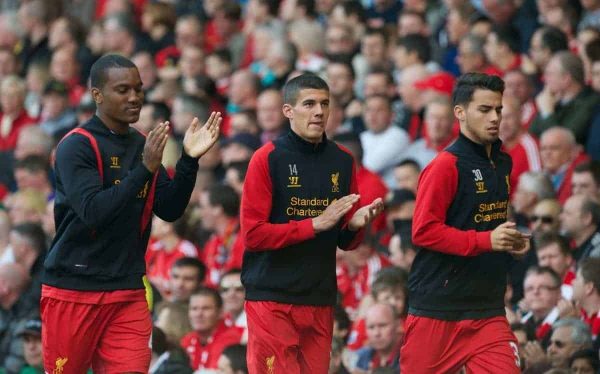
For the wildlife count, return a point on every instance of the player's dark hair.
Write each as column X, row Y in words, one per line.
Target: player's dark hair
column 292, row 88
column 193, row 263
column 210, row 292
column 98, row 73
column 469, row 82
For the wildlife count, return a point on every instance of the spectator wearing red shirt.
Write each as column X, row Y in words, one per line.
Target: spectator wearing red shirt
column 210, row 336
column 519, row 85
column 13, row 116
column 233, row 294
column 554, row 252
column 187, row 276
column 166, row 247
column 521, row 146
column 219, row 209
column 502, row 47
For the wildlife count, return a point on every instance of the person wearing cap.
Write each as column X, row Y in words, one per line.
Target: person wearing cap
column 299, row 204
column 31, row 335
column 57, row 117
column 457, row 281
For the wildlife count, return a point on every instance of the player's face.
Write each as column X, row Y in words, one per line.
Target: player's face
column 233, row 293
column 184, row 281
column 309, row 115
column 480, row 119
column 121, row 97
column 204, row 313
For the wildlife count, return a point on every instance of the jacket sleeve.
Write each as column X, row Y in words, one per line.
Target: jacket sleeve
column 437, row 187
column 258, row 233
column 173, row 195
column 79, row 177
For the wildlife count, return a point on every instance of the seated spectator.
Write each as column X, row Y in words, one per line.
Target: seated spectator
column 545, row 218
column 57, row 117
column 560, row 155
column 13, row 117
column 235, row 174
column 219, row 210
column 406, row 175
column 544, row 43
column 270, row 118
column 210, row 335
column 233, row 360
column 34, row 172
column 586, row 179
column 27, row 205
column 521, row 146
column 400, row 208
column 553, row 251
column 502, row 48
column 584, row 362
column 533, row 186
column 586, row 295
column 167, row 359
column 172, row 318
column 382, row 143
column 13, row 281
column 542, row 292
column 31, row 336
column 187, row 276
column 244, row 122
column 166, row 246
column 519, row 85
column 384, row 339
column 580, row 220
column 565, row 100
column 402, row 252
column 439, row 123
column 233, row 295
column 65, row 68
column 239, row 147
column 520, row 332
column 569, row 335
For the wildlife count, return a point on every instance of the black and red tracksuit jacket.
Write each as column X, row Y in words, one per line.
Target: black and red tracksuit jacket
column 101, row 237
column 289, row 182
column 462, row 196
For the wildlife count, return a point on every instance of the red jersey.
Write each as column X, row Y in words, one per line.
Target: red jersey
column 223, row 253
column 526, row 157
column 159, row 260
column 206, row 356
column 354, row 288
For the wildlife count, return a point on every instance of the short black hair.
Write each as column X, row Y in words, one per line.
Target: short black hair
column 345, row 62
column 225, row 196
column 418, row 44
column 99, row 69
column 469, row 82
column 236, row 354
column 554, row 39
column 592, row 167
column 353, row 7
column 33, row 164
column 587, row 354
column 241, row 167
column 508, row 35
column 409, row 162
column 292, row 88
column 351, row 141
column 191, row 262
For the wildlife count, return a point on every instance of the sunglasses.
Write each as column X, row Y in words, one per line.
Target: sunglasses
column 236, row 289
column 558, row 343
column 544, row 219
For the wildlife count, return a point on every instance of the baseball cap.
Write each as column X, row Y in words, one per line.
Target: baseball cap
column 398, row 197
column 441, row 82
column 32, row 327
column 248, row 140
column 56, row 87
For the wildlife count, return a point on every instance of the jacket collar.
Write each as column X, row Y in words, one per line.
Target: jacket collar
column 479, row 149
column 305, row 146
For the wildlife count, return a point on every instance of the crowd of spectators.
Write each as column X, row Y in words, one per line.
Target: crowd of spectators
column 391, row 67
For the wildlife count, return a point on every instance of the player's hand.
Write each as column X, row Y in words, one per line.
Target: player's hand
column 505, row 237
column 332, row 214
column 363, row 216
column 199, row 139
column 154, row 147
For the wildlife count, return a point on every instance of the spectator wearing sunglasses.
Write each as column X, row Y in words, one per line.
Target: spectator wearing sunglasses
column 545, row 218
column 569, row 335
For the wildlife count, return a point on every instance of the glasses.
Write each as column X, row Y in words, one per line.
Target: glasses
column 541, row 288
column 558, row 343
column 544, row 219
column 232, row 288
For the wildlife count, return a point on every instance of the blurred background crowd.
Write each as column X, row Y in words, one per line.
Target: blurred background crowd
column 391, row 67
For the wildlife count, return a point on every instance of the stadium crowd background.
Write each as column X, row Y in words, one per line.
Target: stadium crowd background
column 391, row 67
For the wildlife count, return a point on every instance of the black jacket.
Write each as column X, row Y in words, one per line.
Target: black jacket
column 99, row 244
column 462, row 196
column 289, row 182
